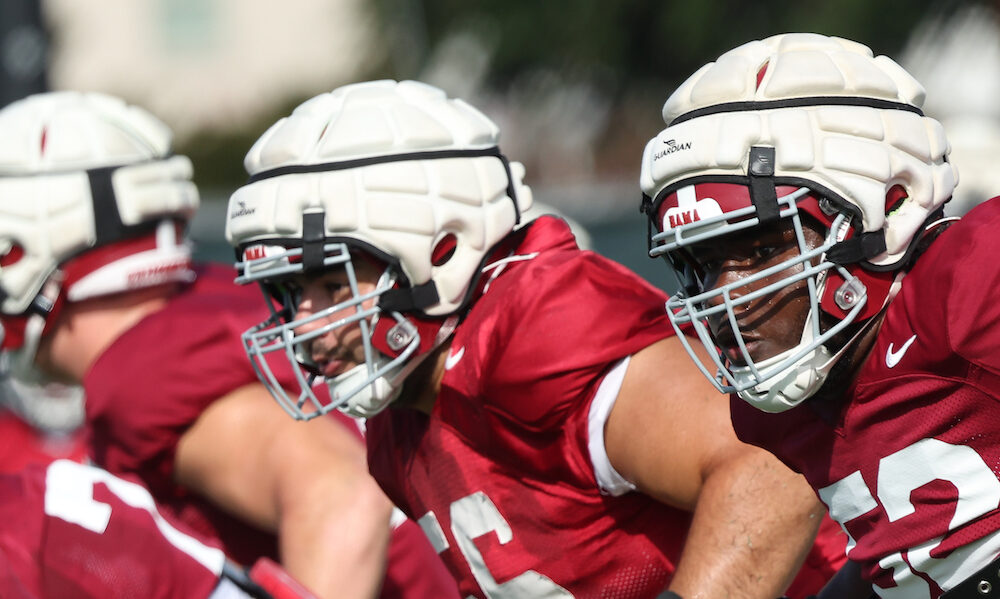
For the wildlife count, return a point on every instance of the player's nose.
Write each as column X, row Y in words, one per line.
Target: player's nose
column 309, row 311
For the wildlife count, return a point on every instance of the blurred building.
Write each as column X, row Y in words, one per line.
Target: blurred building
column 207, row 64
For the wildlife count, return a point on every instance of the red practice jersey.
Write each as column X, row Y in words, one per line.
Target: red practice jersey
column 508, row 476
column 154, row 381
column 72, row 531
column 908, row 459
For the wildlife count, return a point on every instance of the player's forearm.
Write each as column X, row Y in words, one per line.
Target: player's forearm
column 752, row 526
column 338, row 548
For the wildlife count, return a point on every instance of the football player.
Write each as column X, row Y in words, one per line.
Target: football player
column 526, row 401
column 72, row 531
column 797, row 193
column 98, row 288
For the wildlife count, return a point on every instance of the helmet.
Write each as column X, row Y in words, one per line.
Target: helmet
column 793, row 125
column 90, row 204
column 391, row 172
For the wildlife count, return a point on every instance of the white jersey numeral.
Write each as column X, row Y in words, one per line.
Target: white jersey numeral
column 69, row 496
column 899, row 475
column 474, row 516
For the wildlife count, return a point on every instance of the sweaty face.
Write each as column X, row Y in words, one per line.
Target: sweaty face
column 769, row 324
column 340, row 348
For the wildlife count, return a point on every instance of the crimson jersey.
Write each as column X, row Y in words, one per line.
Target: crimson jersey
column 908, row 462
column 73, row 532
column 501, row 475
column 151, row 384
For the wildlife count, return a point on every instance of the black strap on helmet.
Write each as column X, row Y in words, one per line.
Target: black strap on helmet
column 762, row 192
column 857, row 249
column 408, row 299
column 108, row 224
column 754, row 106
column 313, row 241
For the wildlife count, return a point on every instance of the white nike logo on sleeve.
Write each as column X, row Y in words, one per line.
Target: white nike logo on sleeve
column 893, row 357
column 453, row 359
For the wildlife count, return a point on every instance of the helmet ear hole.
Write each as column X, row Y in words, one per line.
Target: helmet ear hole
column 894, row 198
column 444, row 249
column 12, row 256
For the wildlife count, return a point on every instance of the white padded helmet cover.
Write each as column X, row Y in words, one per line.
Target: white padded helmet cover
column 857, row 152
column 402, row 208
column 47, row 143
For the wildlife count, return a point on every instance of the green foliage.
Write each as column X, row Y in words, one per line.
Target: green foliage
column 634, row 51
column 637, row 39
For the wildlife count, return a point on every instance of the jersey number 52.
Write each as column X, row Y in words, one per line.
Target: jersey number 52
column 901, row 473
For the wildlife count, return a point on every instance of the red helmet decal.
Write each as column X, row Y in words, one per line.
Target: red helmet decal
column 693, row 203
column 255, row 252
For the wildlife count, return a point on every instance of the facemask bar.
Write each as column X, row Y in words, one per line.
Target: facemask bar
column 695, row 310
column 19, row 363
column 666, row 243
column 277, row 334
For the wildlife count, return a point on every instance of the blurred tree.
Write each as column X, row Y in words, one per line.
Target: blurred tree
column 582, row 80
column 576, row 85
column 636, row 40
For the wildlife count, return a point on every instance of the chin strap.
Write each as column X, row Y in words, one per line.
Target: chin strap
column 444, row 333
column 897, row 284
column 20, row 363
column 931, row 232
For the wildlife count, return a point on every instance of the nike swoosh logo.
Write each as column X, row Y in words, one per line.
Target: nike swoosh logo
column 453, row 359
column 893, row 357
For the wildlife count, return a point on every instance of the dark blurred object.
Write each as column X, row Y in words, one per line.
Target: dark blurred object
column 24, row 49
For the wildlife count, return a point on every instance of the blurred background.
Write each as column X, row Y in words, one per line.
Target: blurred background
column 575, row 86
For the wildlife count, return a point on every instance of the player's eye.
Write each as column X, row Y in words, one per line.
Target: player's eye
column 765, row 252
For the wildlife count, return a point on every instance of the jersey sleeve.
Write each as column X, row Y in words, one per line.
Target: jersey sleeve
column 566, row 319
column 970, row 274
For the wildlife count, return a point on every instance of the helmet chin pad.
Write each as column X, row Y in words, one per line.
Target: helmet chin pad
column 366, row 401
